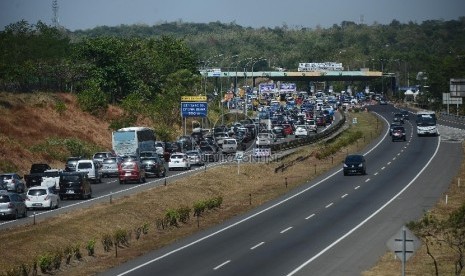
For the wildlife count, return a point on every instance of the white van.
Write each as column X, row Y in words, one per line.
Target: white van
column 91, row 168
column 229, row 145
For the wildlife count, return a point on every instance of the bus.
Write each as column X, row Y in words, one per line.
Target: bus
column 426, row 123
column 133, row 140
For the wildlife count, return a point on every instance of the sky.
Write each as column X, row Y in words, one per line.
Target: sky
column 87, row 14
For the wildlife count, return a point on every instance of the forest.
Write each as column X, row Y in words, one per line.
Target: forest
column 145, row 69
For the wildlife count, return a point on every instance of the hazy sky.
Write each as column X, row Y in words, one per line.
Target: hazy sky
column 86, row 14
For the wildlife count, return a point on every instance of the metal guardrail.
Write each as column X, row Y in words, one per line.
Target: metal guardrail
column 311, row 139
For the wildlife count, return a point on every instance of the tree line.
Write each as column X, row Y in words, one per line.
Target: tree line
column 146, row 69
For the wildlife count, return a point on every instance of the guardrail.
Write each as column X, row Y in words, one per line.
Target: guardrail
column 311, row 139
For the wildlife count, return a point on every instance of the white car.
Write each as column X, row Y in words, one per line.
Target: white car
column 301, row 131
column 195, row 157
column 179, row 161
column 42, row 197
column 229, row 145
column 311, row 125
column 265, row 139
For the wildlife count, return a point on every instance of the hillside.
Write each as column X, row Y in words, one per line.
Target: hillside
column 46, row 127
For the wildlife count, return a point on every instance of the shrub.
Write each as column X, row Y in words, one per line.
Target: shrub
column 68, row 253
column 45, row 262
column 107, row 242
column 172, row 217
column 184, row 213
column 77, row 251
column 199, row 208
column 60, row 107
column 145, row 228
column 57, row 258
column 93, row 100
column 90, row 246
column 121, row 237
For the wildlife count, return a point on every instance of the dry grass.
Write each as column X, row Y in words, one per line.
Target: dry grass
column 256, row 181
column 28, row 119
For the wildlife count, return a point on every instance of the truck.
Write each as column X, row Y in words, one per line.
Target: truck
column 426, row 123
column 34, row 178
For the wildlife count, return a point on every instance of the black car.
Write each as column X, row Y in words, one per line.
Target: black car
column 393, row 125
column 398, row 134
column 398, row 117
column 154, row 166
column 405, row 114
column 209, row 154
column 75, row 185
column 354, row 164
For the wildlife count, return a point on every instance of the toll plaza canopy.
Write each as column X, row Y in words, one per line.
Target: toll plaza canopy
column 301, row 76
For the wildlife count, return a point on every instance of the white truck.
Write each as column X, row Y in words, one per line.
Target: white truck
column 426, row 123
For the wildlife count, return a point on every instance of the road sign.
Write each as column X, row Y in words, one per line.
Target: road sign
column 194, row 109
column 447, row 99
column 199, row 98
column 404, row 243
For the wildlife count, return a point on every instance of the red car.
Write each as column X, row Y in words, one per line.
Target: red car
column 320, row 121
column 131, row 171
column 288, row 130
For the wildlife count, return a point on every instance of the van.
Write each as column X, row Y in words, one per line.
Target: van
column 91, row 168
column 74, row 184
column 229, row 145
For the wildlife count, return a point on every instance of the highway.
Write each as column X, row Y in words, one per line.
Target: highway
column 334, row 225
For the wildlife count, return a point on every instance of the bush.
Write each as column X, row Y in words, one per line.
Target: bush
column 77, row 251
column 45, row 262
column 60, row 107
column 172, row 217
column 184, row 213
column 199, row 208
column 93, row 100
column 121, row 237
column 107, row 242
column 57, row 258
column 145, row 228
column 90, row 246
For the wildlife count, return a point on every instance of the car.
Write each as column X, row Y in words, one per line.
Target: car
column 12, row 205
column 287, row 129
column 265, row 139
column 92, row 168
column 382, row 102
column 110, row 166
column 405, row 114
column 229, row 145
column 320, row 121
column 132, row 170
column 311, row 125
column 74, row 185
column 301, row 131
column 393, row 125
column 398, row 117
column 278, row 132
column 195, row 157
column 71, row 162
column 398, row 133
column 179, row 160
column 354, row 164
column 99, row 156
column 208, row 154
column 154, row 166
column 40, row 197
column 13, row 182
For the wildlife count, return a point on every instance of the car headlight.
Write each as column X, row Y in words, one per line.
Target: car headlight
column 345, row 166
column 360, row 165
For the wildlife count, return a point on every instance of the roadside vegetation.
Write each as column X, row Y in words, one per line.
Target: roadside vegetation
column 86, row 241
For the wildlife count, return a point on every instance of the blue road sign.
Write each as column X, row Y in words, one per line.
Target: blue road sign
column 194, row 109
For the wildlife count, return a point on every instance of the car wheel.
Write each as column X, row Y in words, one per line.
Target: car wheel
column 345, row 174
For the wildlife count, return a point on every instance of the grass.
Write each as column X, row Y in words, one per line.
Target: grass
column 255, row 184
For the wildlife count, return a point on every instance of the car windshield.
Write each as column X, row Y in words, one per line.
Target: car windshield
column 354, row 158
column 4, row 198
column 37, row 192
column 128, row 165
column 109, row 161
column 149, row 160
column 85, row 165
column 177, row 156
column 70, row 178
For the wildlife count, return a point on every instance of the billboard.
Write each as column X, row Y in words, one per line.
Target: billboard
column 266, row 87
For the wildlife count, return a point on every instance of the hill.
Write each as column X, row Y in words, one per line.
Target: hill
column 46, row 127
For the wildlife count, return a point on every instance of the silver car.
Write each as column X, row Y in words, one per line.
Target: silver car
column 13, row 182
column 12, row 205
column 110, row 166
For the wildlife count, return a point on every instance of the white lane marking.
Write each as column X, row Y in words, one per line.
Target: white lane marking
column 251, row 216
column 368, row 179
column 376, row 173
column 389, row 163
column 394, row 158
column 285, row 230
column 356, row 188
column 221, row 265
column 309, row 217
column 369, row 217
column 257, row 245
column 383, row 168
column 344, row 195
column 329, row 205
column 398, row 154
